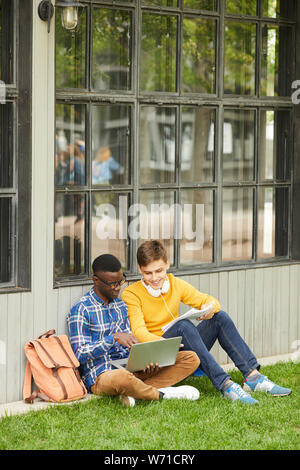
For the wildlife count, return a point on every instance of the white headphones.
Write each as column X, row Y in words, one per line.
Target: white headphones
column 157, row 292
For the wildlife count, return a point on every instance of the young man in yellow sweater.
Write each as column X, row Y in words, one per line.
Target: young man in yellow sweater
column 154, row 301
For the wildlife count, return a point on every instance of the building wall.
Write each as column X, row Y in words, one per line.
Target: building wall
column 263, row 302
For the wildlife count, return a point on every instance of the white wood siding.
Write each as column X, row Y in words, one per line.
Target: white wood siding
column 263, row 302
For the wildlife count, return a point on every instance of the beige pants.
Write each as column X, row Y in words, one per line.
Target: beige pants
column 144, row 386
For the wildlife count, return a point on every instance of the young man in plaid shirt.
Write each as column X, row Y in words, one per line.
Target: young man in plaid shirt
column 99, row 332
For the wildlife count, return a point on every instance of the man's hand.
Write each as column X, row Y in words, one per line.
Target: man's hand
column 151, row 368
column 209, row 314
column 126, row 339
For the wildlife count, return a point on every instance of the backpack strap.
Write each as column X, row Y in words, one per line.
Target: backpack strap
column 47, row 334
column 27, row 395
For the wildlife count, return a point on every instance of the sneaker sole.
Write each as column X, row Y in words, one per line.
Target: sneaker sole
column 126, row 402
column 249, row 390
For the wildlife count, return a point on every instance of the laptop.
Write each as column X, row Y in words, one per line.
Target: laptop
column 163, row 352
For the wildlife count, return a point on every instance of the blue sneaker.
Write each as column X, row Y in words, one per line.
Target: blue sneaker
column 199, row 372
column 263, row 384
column 235, row 392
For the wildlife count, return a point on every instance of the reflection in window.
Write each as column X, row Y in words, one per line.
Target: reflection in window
column 69, row 234
column 196, row 241
column 5, row 239
column 157, row 144
column 70, row 53
column 273, row 216
column 111, row 60
column 238, row 145
column 163, row 3
column 111, row 144
column 197, row 144
column 240, row 51
column 6, row 41
column 276, row 61
column 274, row 151
column 70, row 145
column 242, row 7
column 158, row 54
column 198, row 63
column 200, row 4
column 155, row 219
column 109, row 226
column 237, row 230
column 278, row 8
column 267, row 145
column 6, row 145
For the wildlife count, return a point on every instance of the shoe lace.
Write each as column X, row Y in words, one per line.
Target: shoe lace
column 239, row 391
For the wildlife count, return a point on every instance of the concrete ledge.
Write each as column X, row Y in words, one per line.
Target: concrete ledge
column 19, row 407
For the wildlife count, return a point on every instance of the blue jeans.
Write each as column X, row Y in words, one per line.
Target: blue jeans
column 201, row 339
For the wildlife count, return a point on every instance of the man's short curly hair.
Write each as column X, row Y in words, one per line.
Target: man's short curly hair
column 151, row 250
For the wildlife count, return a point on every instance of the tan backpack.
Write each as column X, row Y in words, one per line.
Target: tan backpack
column 53, row 366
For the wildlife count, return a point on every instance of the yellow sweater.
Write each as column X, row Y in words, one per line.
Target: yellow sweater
column 148, row 314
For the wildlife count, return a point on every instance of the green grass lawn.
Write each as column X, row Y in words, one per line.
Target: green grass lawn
column 209, row 423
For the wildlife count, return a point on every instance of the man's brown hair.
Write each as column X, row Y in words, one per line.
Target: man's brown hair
column 151, row 250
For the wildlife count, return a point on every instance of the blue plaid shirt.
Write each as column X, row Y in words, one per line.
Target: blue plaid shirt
column 91, row 324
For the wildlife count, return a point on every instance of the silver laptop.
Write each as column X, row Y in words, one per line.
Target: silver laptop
column 163, row 352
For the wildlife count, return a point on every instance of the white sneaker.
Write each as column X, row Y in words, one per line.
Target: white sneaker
column 126, row 401
column 183, row 392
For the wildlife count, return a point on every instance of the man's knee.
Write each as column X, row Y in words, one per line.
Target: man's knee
column 189, row 357
column 223, row 317
column 112, row 382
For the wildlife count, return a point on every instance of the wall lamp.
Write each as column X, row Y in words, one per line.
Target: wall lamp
column 69, row 13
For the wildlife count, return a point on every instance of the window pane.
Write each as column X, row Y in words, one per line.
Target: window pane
column 6, row 41
column 275, row 152
column 200, row 4
column 70, row 145
column 283, row 145
column 197, row 145
column 6, row 145
column 198, row 63
column 157, row 144
column 111, row 49
column 156, row 219
column 109, row 225
column 242, row 7
column 69, row 234
column 70, row 53
column 5, row 240
column 240, row 52
column 196, row 242
column 237, row 230
column 158, row 55
column 278, row 8
column 111, row 126
column 238, row 145
column 276, row 61
column 273, row 217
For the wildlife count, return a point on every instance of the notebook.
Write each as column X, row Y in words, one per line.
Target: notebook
column 163, row 352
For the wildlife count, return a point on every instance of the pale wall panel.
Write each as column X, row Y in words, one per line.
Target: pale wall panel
column 264, row 303
column 3, row 347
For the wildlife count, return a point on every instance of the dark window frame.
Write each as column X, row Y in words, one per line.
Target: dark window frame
column 219, row 101
column 18, row 92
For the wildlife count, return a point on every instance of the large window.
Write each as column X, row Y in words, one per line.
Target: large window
column 173, row 122
column 15, row 76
